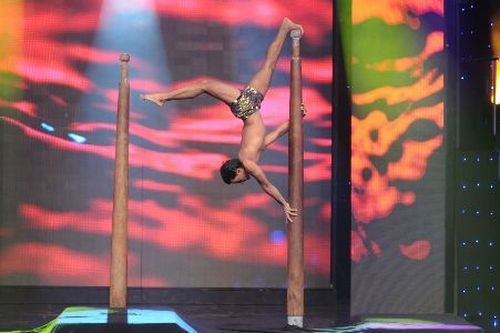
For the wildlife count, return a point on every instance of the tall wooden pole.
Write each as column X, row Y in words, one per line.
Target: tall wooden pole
column 295, row 293
column 119, row 234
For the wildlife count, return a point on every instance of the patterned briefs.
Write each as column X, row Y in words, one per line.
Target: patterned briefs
column 247, row 103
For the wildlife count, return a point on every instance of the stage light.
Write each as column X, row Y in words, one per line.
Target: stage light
column 77, row 138
column 495, row 41
column 134, row 28
column 495, row 93
column 47, row 127
column 83, row 315
column 81, row 319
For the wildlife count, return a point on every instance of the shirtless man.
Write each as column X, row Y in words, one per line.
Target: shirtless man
column 245, row 104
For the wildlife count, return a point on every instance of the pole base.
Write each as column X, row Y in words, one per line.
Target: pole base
column 296, row 321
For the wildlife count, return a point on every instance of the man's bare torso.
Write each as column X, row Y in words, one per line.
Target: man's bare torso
column 252, row 138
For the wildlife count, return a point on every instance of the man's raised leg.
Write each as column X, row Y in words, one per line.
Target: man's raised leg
column 220, row 90
column 263, row 77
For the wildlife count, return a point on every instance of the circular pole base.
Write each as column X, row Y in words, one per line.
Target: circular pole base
column 296, row 321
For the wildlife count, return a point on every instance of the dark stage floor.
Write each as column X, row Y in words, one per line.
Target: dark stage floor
column 203, row 318
column 228, row 318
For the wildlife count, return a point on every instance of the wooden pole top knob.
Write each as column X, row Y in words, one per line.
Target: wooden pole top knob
column 296, row 34
column 124, row 57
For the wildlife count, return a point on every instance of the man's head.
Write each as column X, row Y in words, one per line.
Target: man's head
column 232, row 171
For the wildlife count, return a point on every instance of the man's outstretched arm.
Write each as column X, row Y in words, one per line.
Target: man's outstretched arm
column 277, row 133
column 281, row 130
column 256, row 171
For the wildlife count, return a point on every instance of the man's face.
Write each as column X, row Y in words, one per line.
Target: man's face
column 241, row 176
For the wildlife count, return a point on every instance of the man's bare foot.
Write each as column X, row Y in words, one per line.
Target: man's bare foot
column 290, row 25
column 154, row 98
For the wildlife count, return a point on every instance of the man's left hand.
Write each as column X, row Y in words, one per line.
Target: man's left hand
column 289, row 212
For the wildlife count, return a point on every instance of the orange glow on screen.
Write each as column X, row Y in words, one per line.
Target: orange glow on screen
column 495, row 42
column 383, row 115
column 394, row 12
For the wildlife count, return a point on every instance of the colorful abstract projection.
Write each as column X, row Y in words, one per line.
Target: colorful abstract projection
column 58, row 92
column 398, row 82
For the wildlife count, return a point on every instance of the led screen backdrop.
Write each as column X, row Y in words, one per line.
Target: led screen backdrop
column 59, row 72
column 397, row 77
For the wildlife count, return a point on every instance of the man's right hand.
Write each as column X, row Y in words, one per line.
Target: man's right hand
column 303, row 109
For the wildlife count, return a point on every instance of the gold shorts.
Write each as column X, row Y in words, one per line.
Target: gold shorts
column 247, row 103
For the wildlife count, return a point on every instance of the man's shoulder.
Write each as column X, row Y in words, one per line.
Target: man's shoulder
column 249, row 164
column 247, row 155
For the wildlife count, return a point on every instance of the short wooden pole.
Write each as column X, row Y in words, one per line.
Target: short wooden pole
column 295, row 293
column 119, row 234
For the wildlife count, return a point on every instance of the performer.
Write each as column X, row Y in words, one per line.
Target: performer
column 245, row 104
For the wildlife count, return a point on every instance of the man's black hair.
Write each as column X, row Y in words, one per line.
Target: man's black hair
column 228, row 169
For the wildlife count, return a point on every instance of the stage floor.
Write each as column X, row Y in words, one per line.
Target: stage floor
column 203, row 318
column 243, row 318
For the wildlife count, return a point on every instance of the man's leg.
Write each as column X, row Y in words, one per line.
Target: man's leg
column 262, row 78
column 220, row 90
